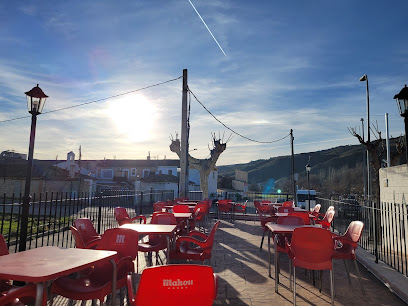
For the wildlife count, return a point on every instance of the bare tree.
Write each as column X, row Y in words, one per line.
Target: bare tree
column 204, row 166
column 376, row 150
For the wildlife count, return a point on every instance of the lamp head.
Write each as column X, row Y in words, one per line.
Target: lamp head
column 402, row 101
column 35, row 100
column 363, row 78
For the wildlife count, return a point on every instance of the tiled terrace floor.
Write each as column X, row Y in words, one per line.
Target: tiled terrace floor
column 243, row 275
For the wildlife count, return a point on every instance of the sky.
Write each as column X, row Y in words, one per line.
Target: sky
column 264, row 68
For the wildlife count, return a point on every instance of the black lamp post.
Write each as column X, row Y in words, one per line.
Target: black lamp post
column 35, row 103
column 402, row 102
column 308, row 168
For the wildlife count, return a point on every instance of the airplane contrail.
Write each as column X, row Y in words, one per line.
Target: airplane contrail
column 206, row 26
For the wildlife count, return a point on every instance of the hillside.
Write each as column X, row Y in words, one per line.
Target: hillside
column 260, row 171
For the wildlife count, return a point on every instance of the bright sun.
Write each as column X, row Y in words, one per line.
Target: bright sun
column 133, row 115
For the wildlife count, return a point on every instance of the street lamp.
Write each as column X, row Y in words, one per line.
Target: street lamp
column 35, row 103
column 308, row 168
column 402, row 102
column 178, row 182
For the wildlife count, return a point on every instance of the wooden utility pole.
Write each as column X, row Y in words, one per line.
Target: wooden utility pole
column 293, row 167
column 183, row 183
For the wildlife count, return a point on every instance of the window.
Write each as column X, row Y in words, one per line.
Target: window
column 107, row 173
column 133, row 172
column 170, row 172
column 160, row 172
column 146, row 172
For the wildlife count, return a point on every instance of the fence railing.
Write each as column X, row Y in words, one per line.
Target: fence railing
column 51, row 214
column 385, row 230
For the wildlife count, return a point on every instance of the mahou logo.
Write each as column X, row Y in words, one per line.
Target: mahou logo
column 177, row 284
column 120, row 239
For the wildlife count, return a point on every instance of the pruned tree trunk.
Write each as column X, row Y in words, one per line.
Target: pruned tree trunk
column 204, row 166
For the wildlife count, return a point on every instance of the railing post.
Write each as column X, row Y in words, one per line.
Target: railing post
column 151, row 196
column 100, row 212
column 141, row 203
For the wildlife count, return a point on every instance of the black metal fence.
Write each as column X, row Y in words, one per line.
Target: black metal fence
column 51, row 214
column 385, row 230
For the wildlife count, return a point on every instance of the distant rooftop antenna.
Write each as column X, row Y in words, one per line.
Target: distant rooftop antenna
column 148, row 156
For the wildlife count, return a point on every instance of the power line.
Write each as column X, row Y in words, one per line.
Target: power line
column 98, row 100
column 247, row 138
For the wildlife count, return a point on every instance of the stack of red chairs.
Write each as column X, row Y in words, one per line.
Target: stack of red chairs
column 224, row 206
column 264, row 209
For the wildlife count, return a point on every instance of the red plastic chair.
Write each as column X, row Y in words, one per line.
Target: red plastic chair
column 98, row 283
column 345, row 246
column 5, row 284
column 158, row 206
column 311, row 248
column 122, row 216
column 264, row 220
column 261, row 208
column 240, row 208
column 19, row 296
column 266, row 202
column 175, row 285
column 303, row 215
column 199, row 214
column 327, row 220
column 191, row 248
column 316, row 210
column 87, row 232
column 79, row 242
column 224, row 206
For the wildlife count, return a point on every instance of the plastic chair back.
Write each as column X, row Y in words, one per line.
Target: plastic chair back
column 19, row 296
column 163, row 218
column 304, row 216
column 79, row 243
column 158, row 206
column 266, row 202
column 286, row 209
column 260, row 208
column 122, row 240
column 85, row 228
column 224, row 205
column 202, row 209
column 3, row 246
column 287, row 204
column 177, row 285
column 354, row 231
column 316, row 209
column 290, row 220
column 181, row 208
column 87, row 231
column 121, row 214
column 311, row 248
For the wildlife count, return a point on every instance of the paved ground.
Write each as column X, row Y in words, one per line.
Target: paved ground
column 244, row 280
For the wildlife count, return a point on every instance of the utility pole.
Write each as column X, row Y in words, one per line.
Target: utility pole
column 293, row 167
column 364, row 164
column 184, row 139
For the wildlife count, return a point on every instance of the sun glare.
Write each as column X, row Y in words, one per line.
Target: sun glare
column 133, row 115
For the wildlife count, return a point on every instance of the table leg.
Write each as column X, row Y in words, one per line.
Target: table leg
column 276, row 263
column 39, row 295
column 168, row 249
column 269, row 252
column 114, row 277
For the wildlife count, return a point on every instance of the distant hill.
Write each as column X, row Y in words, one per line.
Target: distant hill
column 260, row 171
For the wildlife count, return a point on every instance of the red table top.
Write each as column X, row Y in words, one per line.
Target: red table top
column 283, row 228
column 48, row 263
column 187, row 203
column 160, row 229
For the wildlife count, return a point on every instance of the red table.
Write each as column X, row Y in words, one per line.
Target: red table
column 154, row 229
column 276, row 229
column 44, row 264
